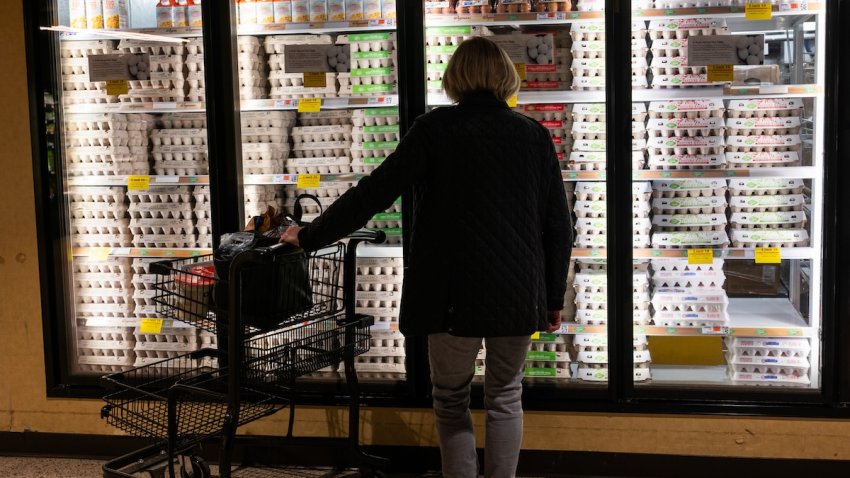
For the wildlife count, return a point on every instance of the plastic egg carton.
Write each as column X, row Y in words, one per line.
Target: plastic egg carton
column 681, row 266
column 596, row 191
column 713, row 279
column 764, row 237
column 765, row 107
column 689, row 205
column 179, row 154
column 689, row 222
column 690, row 109
column 141, row 227
column 763, row 220
column 82, row 49
column 763, row 143
column 600, row 241
column 681, row 127
column 689, row 188
column 641, row 226
column 546, row 113
column 765, row 186
column 680, row 29
column 686, row 145
column 769, row 347
column 194, row 63
column 689, row 318
column 798, row 369
column 767, row 203
column 160, row 211
column 592, row 83
column 599, row 355
column 599, row 372
column 769, row 125
column 681, row 81
column 596, row 282
column 93, row 227
column 686, row 161
column 690, row 238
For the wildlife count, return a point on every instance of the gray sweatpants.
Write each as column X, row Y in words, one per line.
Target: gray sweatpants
column 452, row 368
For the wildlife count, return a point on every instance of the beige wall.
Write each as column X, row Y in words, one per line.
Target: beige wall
column 23, row 405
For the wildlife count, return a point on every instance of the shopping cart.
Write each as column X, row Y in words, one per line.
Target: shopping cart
column 287, row 314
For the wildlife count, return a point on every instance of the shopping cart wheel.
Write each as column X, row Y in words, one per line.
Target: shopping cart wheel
column 199, row 468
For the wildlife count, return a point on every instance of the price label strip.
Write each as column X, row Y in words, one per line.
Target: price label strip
column 151, row 326
column 315, row 79
column 308, row 181
column 768, row 255
column 309, row 105
column 700, row 256
column 721, row 73
column 758, row 11
column 138, row 183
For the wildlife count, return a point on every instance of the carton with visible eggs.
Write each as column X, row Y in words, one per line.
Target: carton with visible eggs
column 772, row 203
column 690, row 222
column 689, row 205
column 687, row 145
column 686, row 27
column 692, row 109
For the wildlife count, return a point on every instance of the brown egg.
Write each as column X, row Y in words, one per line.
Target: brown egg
column 500, row 8
column 541, row 7
column 485, row 9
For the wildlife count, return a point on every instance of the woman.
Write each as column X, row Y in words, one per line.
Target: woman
column 489, row 247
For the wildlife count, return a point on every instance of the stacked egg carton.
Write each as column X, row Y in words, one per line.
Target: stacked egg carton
column 201, row 212
column 689, row 213
column 253, row 69
column 669, row 48
column 558, row 120
column 671, row 120
column 180, row 146
column 105, row 349
column 169, row 343
column 144, row 288
column 548, row 358
column 688, row 295
column 591, row 211
column 259, row 198
column 289, row 85
column 768, row 212
column 375, row 275
column 373, row 64
column 76, row 86
column 164, row 79
column 195, row 70
column 440, row 45
column 265, row 141
column 768, row 361
column 106, row 144
column 589, row 132
column 591, row 352
column 588, row 56
column 162, row 217
column 375, row 134
column 98, row 217
column 764, row 132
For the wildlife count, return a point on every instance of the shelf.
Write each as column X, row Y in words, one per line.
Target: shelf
column 122, row 180
column 105, row 252
column 806, row 172
column 534, row 18
column 727, row 92
column 535, row 97
column 691, row 374
column 382, row 24
column 131, row 322
column 729, row 253
column 756, row 317
column 169, row 34
column 163, row 107
column 327, row 103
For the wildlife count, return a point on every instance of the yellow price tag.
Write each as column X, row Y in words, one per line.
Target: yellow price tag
column 315, row 79
column 535, row 336
column 718, row 73
column 138, row 183
column 117, row 87
column 768, row 255
column 151, row 326
column 308, row 181
column 100, row 254
column 512, row 101
column 520, row 70
column 758, row 11
column 309, row 105
column 700, row 256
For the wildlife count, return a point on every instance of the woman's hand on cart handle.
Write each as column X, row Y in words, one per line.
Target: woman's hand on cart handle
column 290, row 236
column 554, row 319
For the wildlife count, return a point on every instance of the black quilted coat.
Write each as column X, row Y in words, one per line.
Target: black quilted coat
column 490, row 233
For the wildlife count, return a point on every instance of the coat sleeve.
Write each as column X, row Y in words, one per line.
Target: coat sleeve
column 373, row 194
column 557, row 234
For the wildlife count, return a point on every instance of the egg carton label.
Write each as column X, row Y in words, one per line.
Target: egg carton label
column 707, row 160
column 370, row 89
column 765, row 183
column 451, row 31
column 380, row 145
column 688, row 220
column 768, row 218
column 764, row 140
column 797, row 362
column 369, row 55
column 370, row 37
column 784, row 200
column 707, row 274
column 686, row 141
column 689, row 184
column 673, row 295
column 360, row 72
column 674, row 317
column 685, row 123
column 763, row 157
column 689, row 202
column 685, row 106
column 726, row 50
column 545, row 108
column 669, row 62
column 590, row 109
column 766, row 104
column 686, row 24
column 441, row 50
column 666, row 44
column 782, row 122
column 769, row 343
column 769, row 235
column 690, row 238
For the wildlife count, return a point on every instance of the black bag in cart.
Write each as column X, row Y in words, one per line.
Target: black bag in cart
column 271, row 293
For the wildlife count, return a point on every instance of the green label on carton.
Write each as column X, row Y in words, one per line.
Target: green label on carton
column 362, row 89
column 361, row 37
column 541, row 372
column 369, row 55
column 381, row 111
column 454, row 31
column 538, row 355
column 380, row 145
column 373, row 160
column 387, row 128
column 387, row 216
column 358, row 72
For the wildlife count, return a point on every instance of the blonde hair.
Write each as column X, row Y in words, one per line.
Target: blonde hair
column 479, row 64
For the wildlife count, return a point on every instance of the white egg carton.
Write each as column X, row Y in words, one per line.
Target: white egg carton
column 164, row 240
column 591, row 83
column 773, row 358
column 74, row 66
column 641, row 226
column 799, row 370
column 162, row 194
column 596, row 67
column 82, row 49
column 203, row 226
column 194, row 63
column 103, row 123
column 268, row 119
column 179, row 137
column 691, row 109
column 767, row 203
column 152, row 48
column 768, row 125
column 264, row 135
column 275, row 44
column 597, row 282
column 762, row 220
column 205, row 240
column 87, row 97
column 77, row 139
column 117, row 337
column 327, row 165
column 181, row 167
column 689, row 280
column 107, row 195
column 99, row 239
column 686, row 161
column 197, row 121
column 365, row 165
column 546, row 113
column 373, row 59
column 245, row 93
column 321, row 134
column 195, row 46
column 679, row 127
column 153, row 95
column 689, row 205
column 177, row 154
column 673, row 296
column 765, row 186
column 380, row 266
column 686, row 145
column 372, row 150
column 105, row 154
column 596, row 191
column 681, row 266
column 80, row 211
column 685, row 27
column 264, row 152
column 764, row 237
column 690, row 238
column 248, row 44
column 640, row 356
column 765, row 107
column 770, row 379
column 140, row 226
column 262, row 166
column 362, row 134
column 763, row 143
column 106, row 227
column 322, row 149
column 595, row 31
column 597, row 131
column 293, row 81
column 298, row 92
column 689, row 222
column 112, row 360
column 374, row 117
column 81, row 83
column 106, row 169
column 690, row 318
column 160, row 211
column 379, row 364
column 327, row 117
column 378, row 285
column 110, row 265
column 600, row 241
column 681, row 81
column 680, row 188
column 599, row 372
column 770, row 346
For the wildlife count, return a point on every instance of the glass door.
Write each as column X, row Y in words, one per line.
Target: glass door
column 731, row 180
column 319, row 99
column 132, row 169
